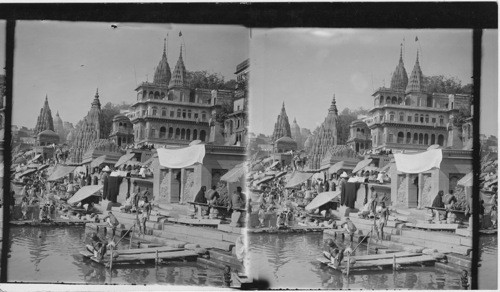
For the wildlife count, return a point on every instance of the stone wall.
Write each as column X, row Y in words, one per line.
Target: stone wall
column 427, row 192
column 402, row 191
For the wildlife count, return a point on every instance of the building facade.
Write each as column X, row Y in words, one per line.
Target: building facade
column 236, row 125
column 407, row 117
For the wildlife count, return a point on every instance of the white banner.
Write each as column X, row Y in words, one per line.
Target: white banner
column 182, row 157
column 417, row 163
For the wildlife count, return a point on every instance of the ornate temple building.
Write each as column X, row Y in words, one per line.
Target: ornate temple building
column 168, row 111
column 59, row 128
column 407, row 117
column 92, row 129
column 359, row 136
column 300, row 135
column 325, row 137
column 236, row 125
column 44, row 121
column 123, row 130
column 282, row 126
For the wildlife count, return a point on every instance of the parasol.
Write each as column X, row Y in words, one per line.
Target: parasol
column 124, row 159
column 466, row 181
column 84, row 193
column 61, row 171
column 362, row 164
column 98, row 161
column 298, row 178
column 322, row 199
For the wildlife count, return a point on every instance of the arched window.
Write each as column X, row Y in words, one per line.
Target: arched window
column 394, row 100
column 163, row 112
column 155, row 111
column 170, row 95
column 151, row 95
column 381, row 100
column 422, row 118
column 441, row 120
column 357, row 130
column 388, row 100
column 420, row 138
column 401, row 117
column 195, row 134
column 178, row 113
column 427, row 118
column 163, row 132
column 408, row 138
column 433, row 139
column 177, row 133
column 401, row 137
column 188, row 134
column 426, row 139
column 184, row 114
column 183, row 134
column 391, row 116
column 170, row 133
column 409, row 118
column 415, row 138
column 157, row 95
column 400, row 100
column 441, row 140
column 202, row 135
column 144, row 94
column 189, row 114
column 153, row 133
column 191, row 97
column 416, row 118
column 162, row 95
column 362, row 130
column 407, row 101
column 203, row 117
column 429, row 101
column 139, row 95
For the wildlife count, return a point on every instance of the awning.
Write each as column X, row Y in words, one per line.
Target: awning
column 235, row 174
column 266, row 179
column 298, row 178
column 98, row 161
column 362, row 164
column 124, row 159
column 466, row 181
column 420, row 162
column 150, row 160
column 84, row 193
column 61, row 171
column 322, row 199
column 182, row 157
column 336, row 167
column 274, row 164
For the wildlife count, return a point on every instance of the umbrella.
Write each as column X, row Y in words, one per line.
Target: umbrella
column 124, row 159
column 322, row 199
column 60, row 172
column 84, row 193
column 466, row 181
column 362, row 164
column 266, row 179
column 258, row 167
column 235, row 174
column 298, row 178
column 280, row 174
column 336, row 167
column 434, row 146
column 20, row 160
column 98, row 161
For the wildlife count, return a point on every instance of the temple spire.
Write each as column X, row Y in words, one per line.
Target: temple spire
column 333, row 106
column 401, row 54
column 97, row 93
column 165, row 47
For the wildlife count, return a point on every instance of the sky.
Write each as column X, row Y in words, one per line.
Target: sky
column 304, row 68
column 68, row 61
column 2, row 45
column 489, row 84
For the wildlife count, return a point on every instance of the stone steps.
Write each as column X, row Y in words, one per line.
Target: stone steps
column 201, row 232
column 203, row 242
column 439, row 237
column 459, row 260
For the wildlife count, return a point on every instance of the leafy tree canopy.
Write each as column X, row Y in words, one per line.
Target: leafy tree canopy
column 346, row 117
column 442, row 84
column 203, row 79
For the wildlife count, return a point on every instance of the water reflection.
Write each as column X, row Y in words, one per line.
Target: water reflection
column 289, row 261
column 51, row 254
column 488, row 259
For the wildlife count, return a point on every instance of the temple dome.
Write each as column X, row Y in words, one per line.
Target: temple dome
column 399, row 80
column 162, row 74
column 416, row 82
column 48, row 133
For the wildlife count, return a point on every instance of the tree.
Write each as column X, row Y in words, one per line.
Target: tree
column 203, row 79
column 345, row 118
column 442, row 84
column 108, row 112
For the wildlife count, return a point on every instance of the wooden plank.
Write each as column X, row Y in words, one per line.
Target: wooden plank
column 440, row 246
column 194, row 221
column 203, row 242
column 433, row 226
column 383, row 256
column 146, row 250
column 389, row 261
column 152, row 256
column 437, row 236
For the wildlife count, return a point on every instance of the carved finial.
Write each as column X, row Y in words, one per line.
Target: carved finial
column 165, row 47
column 97, row 93
column 401, row 53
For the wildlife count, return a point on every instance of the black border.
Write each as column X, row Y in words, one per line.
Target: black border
column 472, row 15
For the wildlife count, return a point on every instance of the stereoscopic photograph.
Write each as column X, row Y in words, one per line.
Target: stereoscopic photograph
column 127, row 149
column 360, row 159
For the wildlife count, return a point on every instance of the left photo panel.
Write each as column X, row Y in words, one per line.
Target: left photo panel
column 2, row 114
column 128, row 150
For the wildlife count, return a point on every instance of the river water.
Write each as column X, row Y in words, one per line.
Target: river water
column 288, row 261
column 51, row 254
column 488, row 259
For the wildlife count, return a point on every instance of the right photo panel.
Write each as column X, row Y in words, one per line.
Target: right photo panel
column 360, row 159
